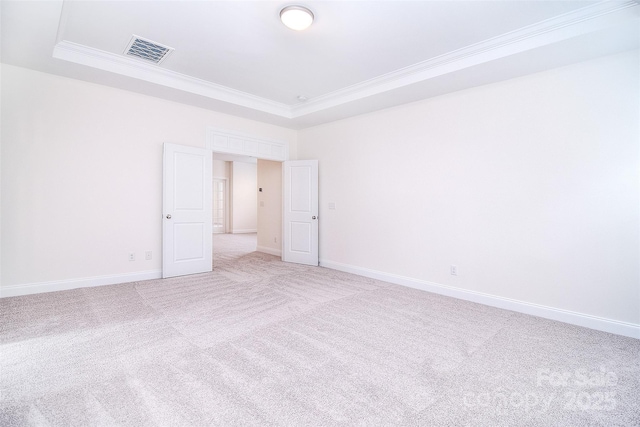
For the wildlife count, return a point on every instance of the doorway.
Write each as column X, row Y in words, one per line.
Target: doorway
column 194, row 195
column 234, row 203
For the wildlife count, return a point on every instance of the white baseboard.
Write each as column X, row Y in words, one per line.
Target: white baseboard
column 270, row 251
column 85, row 282
column 244, row 230
column 593, row 322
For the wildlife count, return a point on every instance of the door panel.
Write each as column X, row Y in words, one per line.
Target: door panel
column 188, row 242
column 300, row 243
column 187, row 222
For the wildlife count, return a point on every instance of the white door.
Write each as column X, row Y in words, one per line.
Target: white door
column 187, row 216
column 219, row 205
column 300, row 196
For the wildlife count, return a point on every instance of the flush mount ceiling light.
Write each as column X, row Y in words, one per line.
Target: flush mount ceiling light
column 296, row 17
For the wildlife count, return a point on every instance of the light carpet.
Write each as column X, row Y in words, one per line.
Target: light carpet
column 261, row 342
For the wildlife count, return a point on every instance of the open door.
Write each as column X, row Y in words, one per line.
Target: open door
column 187, row 211
column 300, row 213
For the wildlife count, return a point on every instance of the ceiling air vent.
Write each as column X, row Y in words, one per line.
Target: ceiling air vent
column 147, row 50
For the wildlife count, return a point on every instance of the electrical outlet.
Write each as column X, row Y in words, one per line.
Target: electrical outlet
column 454, row 270
column 147, row 255
column 132, row 256
column 275, row 240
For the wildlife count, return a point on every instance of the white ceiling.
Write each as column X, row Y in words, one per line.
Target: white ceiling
column 237, row 57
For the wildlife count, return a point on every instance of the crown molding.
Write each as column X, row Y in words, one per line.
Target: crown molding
column 130, row 67
column 582, row 21
column 556, row 29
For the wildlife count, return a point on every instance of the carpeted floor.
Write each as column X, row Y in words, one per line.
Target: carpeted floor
column 261, row 342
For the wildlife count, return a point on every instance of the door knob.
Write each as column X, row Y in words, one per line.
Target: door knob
column 168, row 216
column 313, row 217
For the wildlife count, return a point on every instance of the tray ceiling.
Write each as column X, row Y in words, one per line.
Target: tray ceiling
column 237, row 57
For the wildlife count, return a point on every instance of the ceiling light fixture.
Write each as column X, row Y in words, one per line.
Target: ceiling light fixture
column 296, row 17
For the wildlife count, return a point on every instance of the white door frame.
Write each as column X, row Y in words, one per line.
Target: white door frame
column 231, row 142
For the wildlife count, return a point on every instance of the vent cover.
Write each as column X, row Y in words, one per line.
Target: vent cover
column 147, row 50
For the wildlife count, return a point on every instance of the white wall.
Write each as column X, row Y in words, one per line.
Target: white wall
column 244, row 189
column 82, row 178
column 220, row 168
column 530, row 186
column 270, row 207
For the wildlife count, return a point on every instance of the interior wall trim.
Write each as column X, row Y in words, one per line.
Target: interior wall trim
column 580, row 319
column 120, row 64
column 572, row 24
column 230, row 142
column 270, row 251
column 244, row 230
column 578, row 22
column 84, row 282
